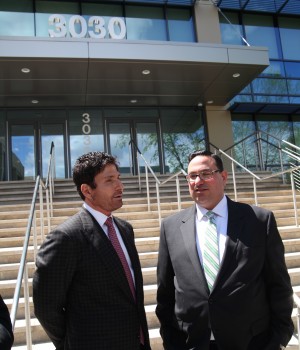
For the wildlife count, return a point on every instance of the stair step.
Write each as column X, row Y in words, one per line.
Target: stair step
column 14, row 211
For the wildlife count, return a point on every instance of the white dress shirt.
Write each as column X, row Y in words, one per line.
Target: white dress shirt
column 221, row 219
column 101, row 218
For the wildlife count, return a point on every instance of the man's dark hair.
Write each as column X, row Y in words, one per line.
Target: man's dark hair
column 88, row 166
column 218, row 160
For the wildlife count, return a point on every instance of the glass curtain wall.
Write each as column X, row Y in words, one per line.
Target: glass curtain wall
column 258, row 140
column 182, row 133
column 280, row 82
column 153, row 22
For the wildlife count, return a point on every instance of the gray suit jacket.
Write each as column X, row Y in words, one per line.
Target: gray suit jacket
column 252, row 295
column 80, row 292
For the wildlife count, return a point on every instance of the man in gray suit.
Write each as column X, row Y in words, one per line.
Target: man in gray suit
column 247, row 303
column 88, row 286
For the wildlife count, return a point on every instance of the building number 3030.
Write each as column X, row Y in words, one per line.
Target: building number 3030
column 94, row 27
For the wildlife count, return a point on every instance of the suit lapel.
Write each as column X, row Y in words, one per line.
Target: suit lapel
column 234, row 227
column 188, row 231
column 107, row 253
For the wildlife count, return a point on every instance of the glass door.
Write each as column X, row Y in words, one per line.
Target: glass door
column 30, row 143
column 23, row 157
column 119, row 135
column 143, row 134
column 53, row 133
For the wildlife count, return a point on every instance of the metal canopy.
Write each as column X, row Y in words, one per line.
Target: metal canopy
column 74, row 73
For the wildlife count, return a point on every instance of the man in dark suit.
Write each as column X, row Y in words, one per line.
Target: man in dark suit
column 248, row 304
column 88, row 294
column 6, row 333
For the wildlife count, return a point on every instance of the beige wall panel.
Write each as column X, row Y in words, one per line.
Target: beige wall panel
column 207, row 22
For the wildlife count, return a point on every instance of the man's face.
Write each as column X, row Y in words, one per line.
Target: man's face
column 107, row 196
column 207, row 193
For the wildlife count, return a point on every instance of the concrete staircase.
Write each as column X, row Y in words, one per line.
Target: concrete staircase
column 15, row 202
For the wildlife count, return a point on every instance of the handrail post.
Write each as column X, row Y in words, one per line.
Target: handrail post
column 178, row 193
column 147, row 187
column 51, row 199
column 41, row 210
column 139, row 171
column 48, row 212
column 34, row 237
column 158, row 203
column 27, row 309
column 255, row 192
column 281, row 161
column 294, row 199
column 234, row 180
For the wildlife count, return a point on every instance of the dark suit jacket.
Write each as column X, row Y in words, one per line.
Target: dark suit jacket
column 252, row 295
column 6, row 333
column 80, row 292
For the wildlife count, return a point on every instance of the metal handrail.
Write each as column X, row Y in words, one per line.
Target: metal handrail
column 258, row 141
column 23, row 269
column 158, row 183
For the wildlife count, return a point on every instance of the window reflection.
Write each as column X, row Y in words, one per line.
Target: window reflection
column 180, row 25
column 231, row 33
column 289, row 32
column 269, row 86
column 16, row 24
column 86, row 133
column 183, row 132
column 260, row 31
column 145, row 23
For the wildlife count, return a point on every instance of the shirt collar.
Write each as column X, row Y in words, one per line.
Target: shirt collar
column 220, row 209
column 100, row 217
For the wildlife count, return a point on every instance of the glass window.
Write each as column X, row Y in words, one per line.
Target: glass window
column 44, row 9
column 231, row 31
column 275, row 69
column 105, row 12
column 271, row 99
column 243, row 128
column 269, row 86
column 86, row 133
column 180, row 25
column 292, row 69
column 16, row 24
column 293, row 86
column 290, row 32
column 17, row 5
column 296, row 128
column 57, row 7
column 145, row 23
column 260, row 31
column 274, row 129
column 183, row 132
column 242, row 98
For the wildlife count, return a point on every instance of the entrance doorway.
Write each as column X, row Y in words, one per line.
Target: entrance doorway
column 124, row 136
column 29, row 145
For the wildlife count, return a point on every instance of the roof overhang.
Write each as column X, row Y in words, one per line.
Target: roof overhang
column 73, row 72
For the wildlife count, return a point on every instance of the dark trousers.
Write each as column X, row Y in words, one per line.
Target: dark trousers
column 213, row 345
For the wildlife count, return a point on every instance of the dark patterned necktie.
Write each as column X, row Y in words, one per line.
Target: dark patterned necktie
column 112, row 234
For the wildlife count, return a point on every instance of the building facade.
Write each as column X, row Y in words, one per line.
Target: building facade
column 164, row 77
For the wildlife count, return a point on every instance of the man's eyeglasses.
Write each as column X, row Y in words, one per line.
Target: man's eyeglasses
column 203, row 175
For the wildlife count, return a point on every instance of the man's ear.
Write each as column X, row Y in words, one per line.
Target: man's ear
column 87, row 191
